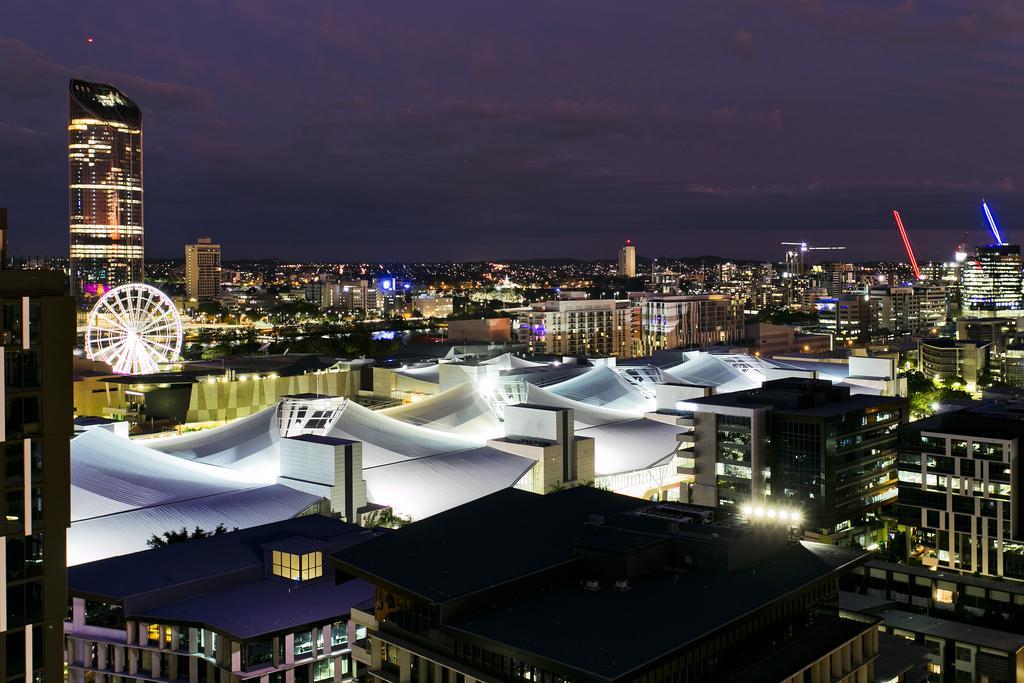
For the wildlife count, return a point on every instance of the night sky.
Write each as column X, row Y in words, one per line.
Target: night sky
column 475, row 129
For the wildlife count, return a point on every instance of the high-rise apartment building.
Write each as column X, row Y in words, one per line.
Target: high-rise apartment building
column 202, row 270
column 37, row 337
column 673, row 322
column 587, row 327
column 796, row 444
column 959, row 488
column 991, row 282
column 105, row 189
column 627, row 260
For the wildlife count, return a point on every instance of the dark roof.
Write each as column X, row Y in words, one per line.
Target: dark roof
column 582, row 628
column 297, row 545
column 947, row 343
column 122, row 577
column 326, row 440
column 992, row 419
column 263, row 607
column 824, row 637
column 285, row 365
column 491, row 540
column 799, row 396
column 90, row 420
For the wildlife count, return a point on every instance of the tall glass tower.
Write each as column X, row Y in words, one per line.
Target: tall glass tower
column 991, row 283
column 105, row 189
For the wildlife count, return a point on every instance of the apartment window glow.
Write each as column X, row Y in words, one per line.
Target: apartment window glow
column 944, row 596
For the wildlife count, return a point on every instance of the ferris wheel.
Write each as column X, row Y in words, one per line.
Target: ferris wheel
column 134, row 328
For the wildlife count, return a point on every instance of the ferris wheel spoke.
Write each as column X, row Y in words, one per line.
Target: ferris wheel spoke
column 152, row 343
column 135, row 328
column 116, row 317
column 158, row 323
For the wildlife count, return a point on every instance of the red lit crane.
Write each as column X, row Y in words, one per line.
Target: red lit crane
column 906, row 244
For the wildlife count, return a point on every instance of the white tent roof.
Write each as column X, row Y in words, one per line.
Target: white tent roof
column 248, row 444
column 127, row 532
column 584, row 414
column 622, row 442
column 507, row 361
column 424, row 373
column 421, row 487
column 631, row 445
column 122, row 492
column 603, row 387
column 710, row 370
column 386, row 439
column 460, row 409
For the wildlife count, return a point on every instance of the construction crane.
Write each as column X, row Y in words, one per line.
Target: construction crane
column 804, row 247
column 906, row 244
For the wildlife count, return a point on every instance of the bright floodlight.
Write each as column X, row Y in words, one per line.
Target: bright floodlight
column 134, row 328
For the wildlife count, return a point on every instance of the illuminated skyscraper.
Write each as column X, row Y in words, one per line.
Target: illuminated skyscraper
column 105, row 189
column 991, row 282
column 627, row 260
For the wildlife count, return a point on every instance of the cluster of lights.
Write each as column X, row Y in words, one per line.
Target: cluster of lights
column 769, row 514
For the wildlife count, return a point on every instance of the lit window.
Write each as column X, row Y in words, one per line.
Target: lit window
column 154, row 633
column 295, row 567
column 312, row 566
column 944, row 596
column 286, row 565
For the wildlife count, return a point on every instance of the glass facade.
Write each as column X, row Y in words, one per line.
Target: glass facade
column 105, row 189
column 992, row 281
column 733, row 467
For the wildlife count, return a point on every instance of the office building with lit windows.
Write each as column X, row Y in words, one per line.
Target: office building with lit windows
column 959, row 488
column 105, row 189
column 587, row 585
column 202, row 270
column 796, row 444
column 680, row 322
column 991, row 282
column 258, row 604
column 37, row 337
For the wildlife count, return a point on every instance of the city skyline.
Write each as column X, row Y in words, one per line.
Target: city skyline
column 503, row 147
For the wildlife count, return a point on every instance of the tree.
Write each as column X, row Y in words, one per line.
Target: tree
column 386, row 518
column 170, row 537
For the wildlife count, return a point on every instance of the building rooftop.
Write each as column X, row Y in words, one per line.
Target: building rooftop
column 987, row 418
column 953, row 630
column 794, row 395
column 613, row 564
column 150, row 577
column 476, row 539
column 263, row 607
column 326, row 440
